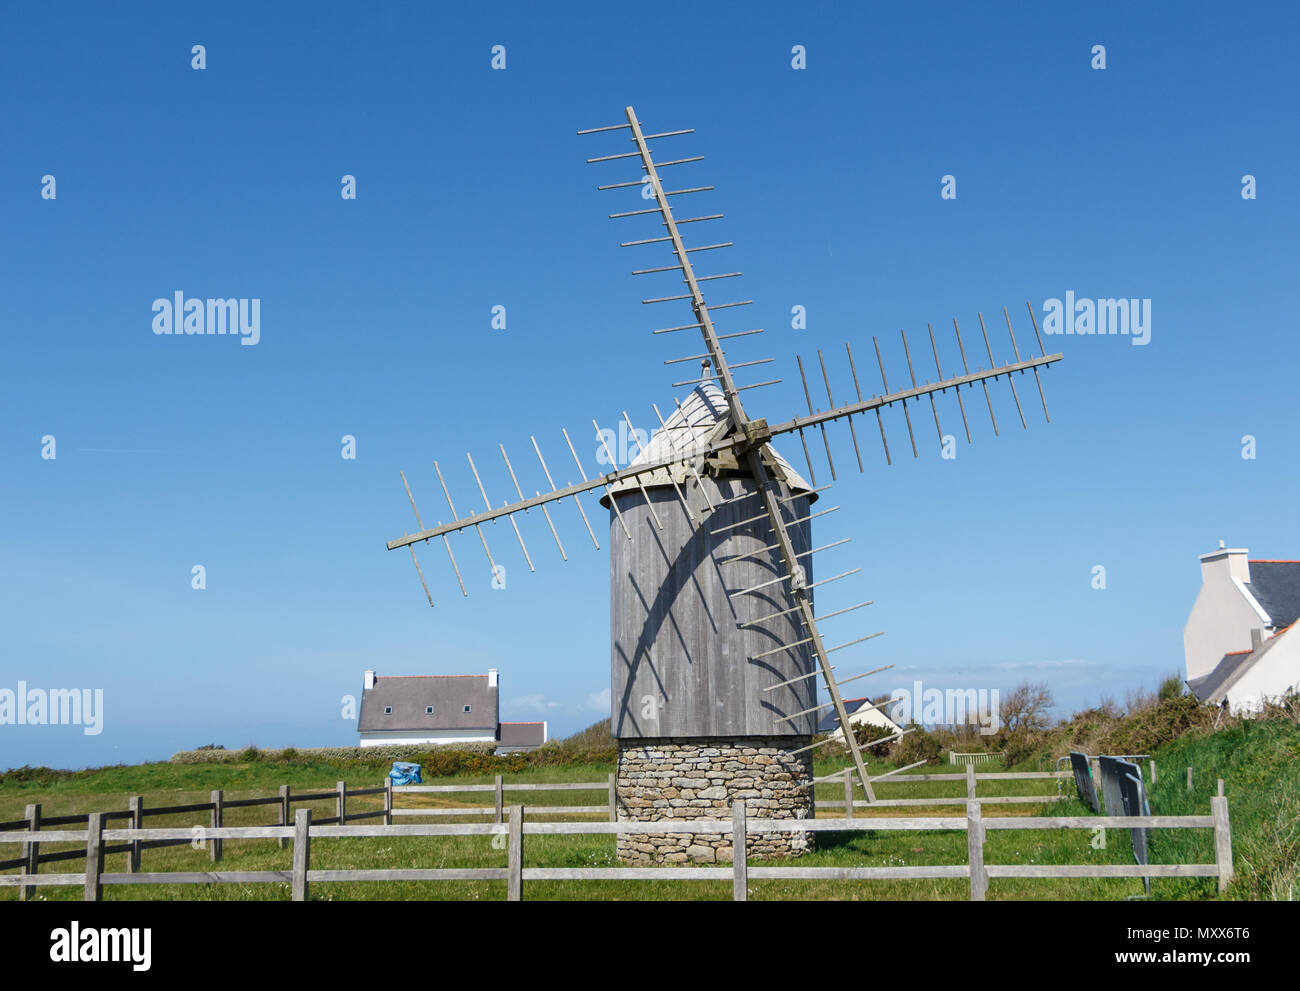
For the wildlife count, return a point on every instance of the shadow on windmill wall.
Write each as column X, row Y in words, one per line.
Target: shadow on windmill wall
column 680, row 667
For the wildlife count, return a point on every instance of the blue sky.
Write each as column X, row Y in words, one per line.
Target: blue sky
column 472, row 192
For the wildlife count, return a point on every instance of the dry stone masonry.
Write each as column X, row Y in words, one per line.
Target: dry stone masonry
column 700, row 779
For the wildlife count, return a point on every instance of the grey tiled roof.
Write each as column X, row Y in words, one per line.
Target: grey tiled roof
column 1208, row 687
column 1276, row 586
column 1214, row 686
column 829, row 722
column 448, row 694
column 522, row 734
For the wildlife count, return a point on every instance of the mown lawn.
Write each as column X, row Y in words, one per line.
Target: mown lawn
column 173, row 784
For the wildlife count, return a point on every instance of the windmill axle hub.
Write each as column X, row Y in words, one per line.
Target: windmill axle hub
column 757, row 433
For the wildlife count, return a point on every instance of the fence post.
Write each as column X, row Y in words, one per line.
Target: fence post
column 341, row 803
column 94, row 856
column 515, row 855
column 498, row 802
column 135, row 805
column 1189, row 779
column 613, row 799
column 1153, row 770
column 388, row 801
column 285, row 813
column 1221, row 788
column 979, row 878
column 31, row 850
column 1222, row 841
column 739, row 854
column 214, row 847
column 970, row 780
column 848, row 794
column 301, row 853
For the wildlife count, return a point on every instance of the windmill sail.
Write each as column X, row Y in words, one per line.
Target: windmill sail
column 712, row 432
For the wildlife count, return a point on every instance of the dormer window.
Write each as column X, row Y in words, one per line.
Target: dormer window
column 428, row 710
column 388, row 710
column 468, row 708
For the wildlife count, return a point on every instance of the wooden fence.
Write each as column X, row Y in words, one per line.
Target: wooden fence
column 36, row 826
column 980, row 757
column 301, row 876
column 136, row 811
column 970, row 777
column 499, row 789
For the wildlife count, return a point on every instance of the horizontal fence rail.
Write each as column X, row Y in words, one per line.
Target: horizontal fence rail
column 738, row 825
column 971, row 777
column 34, row 827
column 138, row 812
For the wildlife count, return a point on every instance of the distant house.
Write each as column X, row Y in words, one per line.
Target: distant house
column 861, row 713
column 440, row 710
column 517, row 737
column 1240, row 644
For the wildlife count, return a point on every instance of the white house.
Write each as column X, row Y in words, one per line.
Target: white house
column 861, row 713
column 440, row 710
column 1239, row 642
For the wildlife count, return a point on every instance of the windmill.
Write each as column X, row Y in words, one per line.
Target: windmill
column 715, row 646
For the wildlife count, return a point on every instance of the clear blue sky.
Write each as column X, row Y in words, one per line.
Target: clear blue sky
column 472, row 192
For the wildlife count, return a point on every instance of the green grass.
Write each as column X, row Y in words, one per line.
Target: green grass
column 1258, row 762
column 159, row 782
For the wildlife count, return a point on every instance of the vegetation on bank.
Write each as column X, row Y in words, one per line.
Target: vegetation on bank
column 1028, row 739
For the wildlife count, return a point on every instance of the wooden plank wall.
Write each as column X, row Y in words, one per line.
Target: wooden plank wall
column 675, row 649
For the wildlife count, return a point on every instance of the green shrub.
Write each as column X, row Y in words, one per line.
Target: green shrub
column 45, row 775
column 867, row 736
column 1023, row 746
column 918, row 745
column 1170, row 688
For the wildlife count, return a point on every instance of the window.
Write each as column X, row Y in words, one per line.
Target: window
column 388, row 710
column 428, row 710
column 468, row 708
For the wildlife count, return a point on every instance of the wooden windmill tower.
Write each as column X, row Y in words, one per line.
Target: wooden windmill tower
column 715, row 648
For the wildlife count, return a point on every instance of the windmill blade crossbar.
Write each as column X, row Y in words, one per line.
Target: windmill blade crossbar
column 729, row 443
column 880, row 402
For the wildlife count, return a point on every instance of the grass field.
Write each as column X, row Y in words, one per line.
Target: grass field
column 172, row 784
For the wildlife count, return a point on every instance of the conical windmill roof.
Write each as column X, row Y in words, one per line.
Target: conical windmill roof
column 699, row 419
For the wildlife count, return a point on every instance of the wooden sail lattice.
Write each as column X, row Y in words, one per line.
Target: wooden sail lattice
column 739, row 438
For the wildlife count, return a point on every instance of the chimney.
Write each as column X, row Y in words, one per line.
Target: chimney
column 370, row 680
column 492, row 677
column 1225, row 563
column 1256, row 638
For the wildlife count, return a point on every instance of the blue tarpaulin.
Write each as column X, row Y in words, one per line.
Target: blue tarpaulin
column 404, row 773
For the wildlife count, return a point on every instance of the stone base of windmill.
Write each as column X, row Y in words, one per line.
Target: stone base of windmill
column 700, row 779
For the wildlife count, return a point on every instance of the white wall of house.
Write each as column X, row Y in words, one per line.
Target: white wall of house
column 1276, row 673
column 1223, row 614
column 436, row 737
column 866, row 717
